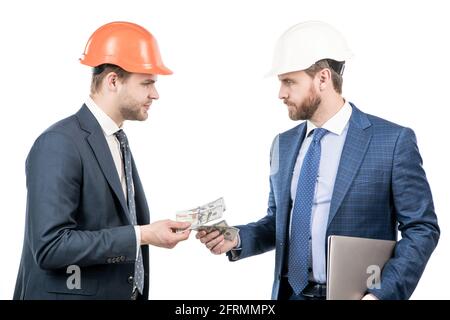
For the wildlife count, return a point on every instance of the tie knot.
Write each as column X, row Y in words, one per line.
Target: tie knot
column 319, row 133
column 121, row 136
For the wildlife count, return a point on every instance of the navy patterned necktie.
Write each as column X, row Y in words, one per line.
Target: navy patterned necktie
column 299, row 244
column 126, row 156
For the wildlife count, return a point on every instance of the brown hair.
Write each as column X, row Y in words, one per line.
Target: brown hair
column 333, row 66
column 100, row 72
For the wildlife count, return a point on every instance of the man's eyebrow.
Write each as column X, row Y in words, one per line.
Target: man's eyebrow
column 149, row 81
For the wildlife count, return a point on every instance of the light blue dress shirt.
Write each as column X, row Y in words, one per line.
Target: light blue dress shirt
column 331, row 149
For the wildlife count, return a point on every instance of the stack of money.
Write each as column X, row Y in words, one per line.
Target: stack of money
column 229, row 233
column 200, row 216
column 203, row 214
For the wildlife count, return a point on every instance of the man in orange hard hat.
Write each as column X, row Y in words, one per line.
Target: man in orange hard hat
column 87, row 221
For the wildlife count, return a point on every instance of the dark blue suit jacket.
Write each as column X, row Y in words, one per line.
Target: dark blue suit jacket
column 380, row 187
column 77, row 215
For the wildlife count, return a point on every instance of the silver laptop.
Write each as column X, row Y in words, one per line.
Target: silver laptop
column 354, row 265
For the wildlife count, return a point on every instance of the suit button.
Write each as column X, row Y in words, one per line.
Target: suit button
column 130, row 279
column 309, row 269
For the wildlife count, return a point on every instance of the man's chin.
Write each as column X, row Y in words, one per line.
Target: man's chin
column 138, row 117
column 295, row 117
column 143, row 117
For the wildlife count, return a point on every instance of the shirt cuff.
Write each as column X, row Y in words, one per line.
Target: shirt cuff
column 137, row 230
column 238, row 246
column 236, row 251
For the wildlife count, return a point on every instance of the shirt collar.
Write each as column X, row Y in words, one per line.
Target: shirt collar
column 336, row 124
column 107, row 124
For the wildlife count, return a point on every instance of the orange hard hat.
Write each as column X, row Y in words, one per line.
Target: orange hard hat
column 126, row 45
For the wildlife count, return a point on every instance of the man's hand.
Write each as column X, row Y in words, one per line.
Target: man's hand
column 215, row 242
column 162, row 233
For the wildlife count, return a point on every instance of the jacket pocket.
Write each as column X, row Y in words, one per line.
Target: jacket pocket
column 62, row 284
column 367, row 177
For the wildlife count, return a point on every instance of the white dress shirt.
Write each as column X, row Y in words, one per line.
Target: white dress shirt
column 109, row 127
column 331, row 148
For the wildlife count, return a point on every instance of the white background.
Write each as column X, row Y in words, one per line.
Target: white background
column 210, row 133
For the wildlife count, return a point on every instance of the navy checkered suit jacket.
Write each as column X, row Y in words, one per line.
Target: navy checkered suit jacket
column 380, row 188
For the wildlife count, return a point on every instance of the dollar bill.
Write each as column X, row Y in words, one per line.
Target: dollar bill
column 203, row 214
column 208, row 228
column 228, row 232
column 190, row 217
column 200, row 216
column 211, row 211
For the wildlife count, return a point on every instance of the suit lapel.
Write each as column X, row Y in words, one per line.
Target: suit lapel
column 356, row 144
column 97, row 141
column 142, row 212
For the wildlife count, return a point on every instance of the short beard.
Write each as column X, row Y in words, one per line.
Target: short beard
column 131, row 110
column 307, row 109
column 131, row 113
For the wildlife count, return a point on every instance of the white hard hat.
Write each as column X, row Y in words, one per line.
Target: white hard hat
column 306, row 43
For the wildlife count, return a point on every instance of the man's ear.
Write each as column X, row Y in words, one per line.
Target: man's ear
column 111, row 81
column 324, row 78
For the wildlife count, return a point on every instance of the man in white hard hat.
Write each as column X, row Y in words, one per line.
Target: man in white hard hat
column 340, row 172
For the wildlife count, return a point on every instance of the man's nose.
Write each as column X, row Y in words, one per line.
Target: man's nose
column 282, row 94
column 154, row 94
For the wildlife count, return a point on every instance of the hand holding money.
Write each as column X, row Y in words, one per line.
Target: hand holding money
column 211, row 234
column 161, row 233
column 229, row 233
column 215, row 241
